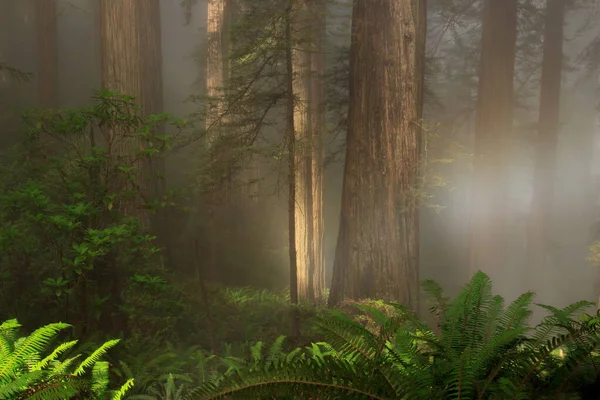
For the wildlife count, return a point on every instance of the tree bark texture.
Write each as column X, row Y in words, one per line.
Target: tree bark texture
column 122, row 71
column 317, row 133
column 215, row 81
column 150, row 47
column 290, row 126
column 538, row 243
column 308, row 130
column 492, row 139
column 377, row 253
column 151, row 102
column 47, row 74
column 215, row 59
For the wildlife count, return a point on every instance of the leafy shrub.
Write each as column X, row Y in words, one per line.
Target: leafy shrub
column 73, row 221
column 241, row 315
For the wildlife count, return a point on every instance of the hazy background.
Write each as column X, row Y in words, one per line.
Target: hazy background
column 452, row 88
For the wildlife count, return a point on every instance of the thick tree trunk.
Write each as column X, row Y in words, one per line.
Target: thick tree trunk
column 150, row 48
column 120, row 46
column 538, row 243
column 302, row 160
column 121, row 71
column 492, row 138
column 377, row 249
column 151, row 102
column 47, row 74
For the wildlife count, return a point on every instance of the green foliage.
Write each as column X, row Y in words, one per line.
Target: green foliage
column 482, row 350
column 166, row 389
column 73, row 190
column 240, row 316
column 27, row 373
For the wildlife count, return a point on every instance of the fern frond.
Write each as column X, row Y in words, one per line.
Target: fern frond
column 20, row 384
column 118, row 395
column 95, row 356
column 276, row 349
column 58, row 387
column 61, row 367
column 436, row 293
column 256, row 352
column 32, row 344
column 301, row 377
column 99, row 380
column 52, row 356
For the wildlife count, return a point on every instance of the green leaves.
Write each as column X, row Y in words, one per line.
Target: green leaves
column 26, row 374
column 482, row 351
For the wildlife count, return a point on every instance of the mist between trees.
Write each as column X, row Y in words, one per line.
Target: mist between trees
column 157, row 154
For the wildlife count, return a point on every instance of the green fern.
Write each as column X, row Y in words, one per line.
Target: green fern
column 481, row 350
column 166, row 389
column 94, row 357
column 26, row 374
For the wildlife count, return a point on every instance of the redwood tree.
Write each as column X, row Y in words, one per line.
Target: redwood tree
column 47, row 74
column 151, row 101
column 492, row 138
column 215, row 81
column 545, row 164
column 377, row 249
column 309, row 21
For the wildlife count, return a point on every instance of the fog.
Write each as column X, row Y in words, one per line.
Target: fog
column 258, row 255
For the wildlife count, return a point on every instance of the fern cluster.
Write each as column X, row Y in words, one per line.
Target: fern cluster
column 29, row 371
column 479, row 349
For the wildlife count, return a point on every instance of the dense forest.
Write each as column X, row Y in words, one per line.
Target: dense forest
column 299, row 199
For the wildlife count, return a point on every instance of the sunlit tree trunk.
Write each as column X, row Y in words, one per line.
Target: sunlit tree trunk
column 377, row 249
column 215, row 60
column 47, row 74
column 308, row 126
column 538, row 243
column 215, row 80
column 492, row 138
column 317, row 148
column 302, row 161
column 290, row 127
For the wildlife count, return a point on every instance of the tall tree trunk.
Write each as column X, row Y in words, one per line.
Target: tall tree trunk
column 121, row 71
column 47, row 74
column 492, row 138
column 150, row 48
column 308, row 125
column 290, row 126
column 317, row 127
column 377, row 249
column 151, row 102
column 214, row 83
column 300, row 77
column 538, row 243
